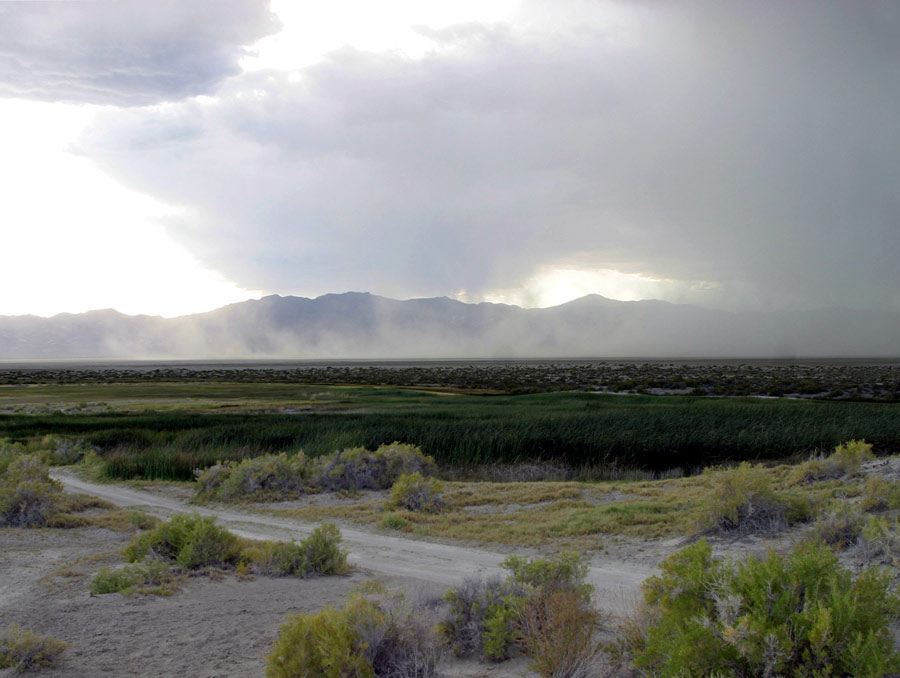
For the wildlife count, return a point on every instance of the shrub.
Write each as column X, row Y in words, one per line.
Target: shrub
column 28, row 497
column 210, row 480
column 278, row 476
column 322, row 549
column 208, row 545
column 415, row 492
column 359, row 469
column 742, row 499
column 323, row 644
column 319, row 553
column 880, row 494
column 879, row 541
column 26, row 650
column 155, row 577
column 810, row 471
column 840, row 527
column 484, row 616
column 844, row 461
column 270, row 477
column 848, row 457
column 478, row 612
column 364, row 639
column 66, row 451
column 8, row 452
column 566, row 571
column 277, row 558
column 191, row 540
column 391, row 521
column 557, row 629
column 798, row 615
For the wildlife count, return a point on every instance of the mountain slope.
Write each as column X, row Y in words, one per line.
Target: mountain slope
column 362, row 325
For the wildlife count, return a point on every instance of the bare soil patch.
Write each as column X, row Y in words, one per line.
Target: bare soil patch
column 212, row 627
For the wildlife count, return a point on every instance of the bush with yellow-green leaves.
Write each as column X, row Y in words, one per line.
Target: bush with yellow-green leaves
column 844, row 461
column 797, row 615
column 369, row 637
column 742, row 499
column 24, row 650
column 28, row 496
column 415, row 492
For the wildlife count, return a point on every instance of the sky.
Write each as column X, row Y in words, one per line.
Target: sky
column 173, row 156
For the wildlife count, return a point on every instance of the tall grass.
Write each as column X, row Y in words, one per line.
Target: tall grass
column 579, row 429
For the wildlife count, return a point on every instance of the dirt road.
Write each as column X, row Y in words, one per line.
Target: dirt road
column 616, row 583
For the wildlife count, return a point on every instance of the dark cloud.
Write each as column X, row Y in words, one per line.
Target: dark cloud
column 746, row 151
column 125, row 53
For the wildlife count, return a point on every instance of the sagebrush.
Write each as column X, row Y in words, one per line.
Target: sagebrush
column 844, row 461
column 25, row 650
column 484, row 616
column 192, row 541
column 742, row 499
column 415, row 492
column 28, row 496
column 280, row 476
column 797, row 615
column 368, row 637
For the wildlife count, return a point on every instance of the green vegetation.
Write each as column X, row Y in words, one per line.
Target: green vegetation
column 593, row 433
column 358, row 469
column 367, row 638
column 415, row 492
column 269, row 477
column 391, row 521
column 27, row 651
column 192, row 541
column 832, row 379
column 155, row 577
column 585, row 515
column 28, row 497
column 557, row 630
column 844, row 461
column 800, row 615
column 272, row 477
column 483, row 616
column 879, row 541
column 840, row 527
column 158, row 558
column 880, row 494
column 742, row 499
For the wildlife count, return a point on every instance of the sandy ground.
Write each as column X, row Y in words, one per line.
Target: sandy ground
column 210, row 628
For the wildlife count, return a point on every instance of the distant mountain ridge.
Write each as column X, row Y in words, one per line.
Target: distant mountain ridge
column 363, row 325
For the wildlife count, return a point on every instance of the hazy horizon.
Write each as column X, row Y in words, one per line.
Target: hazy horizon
column 366, row 326
column 423, row 298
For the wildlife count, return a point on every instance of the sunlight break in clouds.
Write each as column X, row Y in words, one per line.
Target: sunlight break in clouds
column 313, row 29
column 75, row 240
column 553, row 285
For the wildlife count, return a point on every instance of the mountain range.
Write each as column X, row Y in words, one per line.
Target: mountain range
column 366, row 326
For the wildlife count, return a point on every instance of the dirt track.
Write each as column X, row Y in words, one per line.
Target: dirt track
column 616, row 583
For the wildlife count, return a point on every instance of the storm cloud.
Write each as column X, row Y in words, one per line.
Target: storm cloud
column 127, row 53
column 747, row 153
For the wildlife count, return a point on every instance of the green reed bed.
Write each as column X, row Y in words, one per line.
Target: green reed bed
column 579, row 429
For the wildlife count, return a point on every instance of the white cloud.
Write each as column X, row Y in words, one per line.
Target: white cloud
column 722, row 153
column 74, row 240
column 127, row 53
